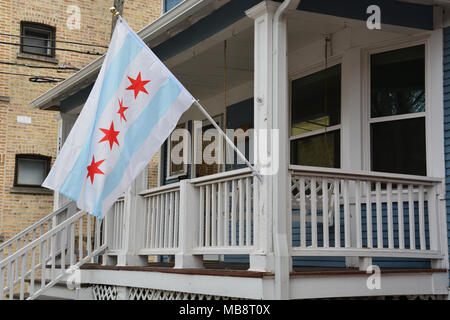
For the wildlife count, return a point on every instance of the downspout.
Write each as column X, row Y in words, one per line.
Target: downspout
column 280, row 113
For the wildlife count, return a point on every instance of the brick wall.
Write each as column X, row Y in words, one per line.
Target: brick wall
column 19, row 210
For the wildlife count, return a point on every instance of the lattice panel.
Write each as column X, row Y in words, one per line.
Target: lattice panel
column 103, row 292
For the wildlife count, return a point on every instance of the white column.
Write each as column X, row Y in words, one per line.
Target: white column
column 134, row 223
column 263, row 257
column 189, row 227
column 351, row 134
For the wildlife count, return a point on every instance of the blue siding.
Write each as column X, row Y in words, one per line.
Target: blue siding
column 447, row 123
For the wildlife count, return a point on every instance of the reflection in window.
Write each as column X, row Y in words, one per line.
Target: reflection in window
column 316, row 101
column 398, row 82
column 398, row 88
column 321, row 150
column 316, row 106
column 399, row 146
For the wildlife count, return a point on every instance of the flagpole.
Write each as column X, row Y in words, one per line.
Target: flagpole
column 228, row 140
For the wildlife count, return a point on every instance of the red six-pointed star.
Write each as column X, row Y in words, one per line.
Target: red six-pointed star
column 93, row 169
column 110, row 135
column 138, row 85
column 122, row 109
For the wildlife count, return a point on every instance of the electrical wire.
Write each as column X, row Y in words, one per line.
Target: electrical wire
column 35, row 78
column 39, row 67
column 52, row 48
column 60, row 41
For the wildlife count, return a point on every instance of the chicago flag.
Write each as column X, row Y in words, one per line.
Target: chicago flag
column 133, row 107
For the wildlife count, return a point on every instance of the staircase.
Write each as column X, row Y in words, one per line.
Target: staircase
column 47, row 252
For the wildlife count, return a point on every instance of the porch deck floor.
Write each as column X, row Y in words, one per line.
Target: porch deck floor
column 241, row 270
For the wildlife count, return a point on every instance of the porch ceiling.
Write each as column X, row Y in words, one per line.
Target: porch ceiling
column 204, row 74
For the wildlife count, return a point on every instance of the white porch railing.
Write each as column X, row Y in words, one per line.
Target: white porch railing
column 114, row 222
column 161, row 220
column 36, row 267
column 226, row 212
column 36, row 230
column 365, row 214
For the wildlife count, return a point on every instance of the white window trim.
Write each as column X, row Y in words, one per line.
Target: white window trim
column 331, row 62
column 366, row 101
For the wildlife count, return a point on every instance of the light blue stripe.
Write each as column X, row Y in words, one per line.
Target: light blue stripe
column 111, row 82
column 137, row 134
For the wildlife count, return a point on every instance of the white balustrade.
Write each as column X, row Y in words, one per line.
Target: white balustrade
column 365, row 214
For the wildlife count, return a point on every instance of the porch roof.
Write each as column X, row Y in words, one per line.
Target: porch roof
column 196, row 20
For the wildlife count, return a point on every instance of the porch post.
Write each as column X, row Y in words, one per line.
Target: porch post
column 133, row 232
column 352, row 115
column 263, row 257
column 189, row 227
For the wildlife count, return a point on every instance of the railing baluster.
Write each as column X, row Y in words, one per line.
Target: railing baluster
column 248, row 220
column 379, row 216
column 2, row 279
column 369, row 214
column 166, row 221
column 53, row 257
column 233, row 212
column 32, row 276
column 346, row 214
column 154, row 212
column 22, row 276
column 337, row 215
column 88, row 235
column 412, row 223
column 171, row 216
column 390, row 216
column 208, row 216
column 72, row 243
column 358, row 214
column 201, row 219
column 302, row 213
column 177, row 218
column 80, row 239
column 423, row 245
column 161, row 222
column 401, row 227
column 10, row 279
column 313, row 189
column 213, row 215
column 226, row 216
column 241, row 212
column 220, row 216
column 325, row 217
column 63, row 249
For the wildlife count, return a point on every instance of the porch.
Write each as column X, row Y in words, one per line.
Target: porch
column 331, row 208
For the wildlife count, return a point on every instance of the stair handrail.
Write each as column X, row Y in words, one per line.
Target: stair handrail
column 53, row 232
column 35, row 226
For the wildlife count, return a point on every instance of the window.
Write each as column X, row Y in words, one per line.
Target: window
column 37, row 39
column 316, row 119
column 169, row 4
column 31, row 170
column 397, row 123
column 177, row 167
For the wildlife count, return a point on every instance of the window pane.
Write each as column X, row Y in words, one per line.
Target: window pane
column 398, row 82
column 322, row 150
column 31, row 172
column 169, row 4
column 316, row 101
column 38, row 39
column 399, row 146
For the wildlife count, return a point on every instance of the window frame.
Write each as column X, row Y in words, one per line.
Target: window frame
column 30, row 157
column 332, row 62
column 41, row 27
column 367, row 103
column 169, row 174
column 163, row 6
